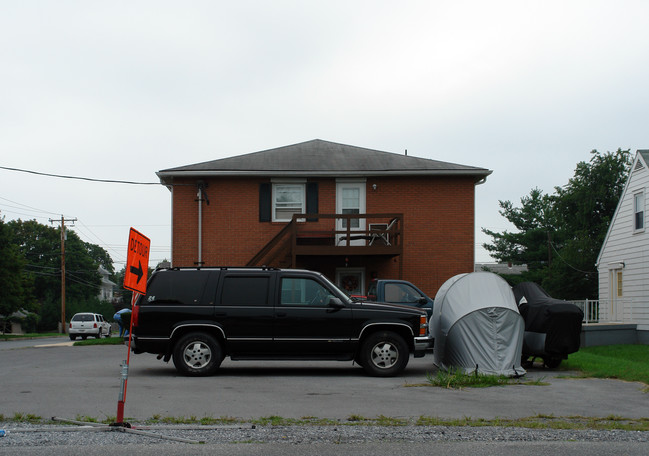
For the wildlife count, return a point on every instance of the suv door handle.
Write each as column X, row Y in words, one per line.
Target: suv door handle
column 280, row 314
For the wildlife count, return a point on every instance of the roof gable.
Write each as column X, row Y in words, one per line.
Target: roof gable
column 321, row 158
column 639, row 167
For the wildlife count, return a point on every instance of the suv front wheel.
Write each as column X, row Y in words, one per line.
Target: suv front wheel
column 197, row 354
column 384, row 354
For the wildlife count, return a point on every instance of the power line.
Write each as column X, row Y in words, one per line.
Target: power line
column 28, row 207
column 568, row 264
column 90, row 179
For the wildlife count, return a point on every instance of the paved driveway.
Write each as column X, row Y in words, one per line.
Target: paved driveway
column 67, row 381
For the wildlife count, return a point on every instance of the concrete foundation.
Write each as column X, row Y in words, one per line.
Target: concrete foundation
column 612, row 334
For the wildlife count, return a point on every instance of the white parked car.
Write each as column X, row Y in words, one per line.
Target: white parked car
column 89, row 324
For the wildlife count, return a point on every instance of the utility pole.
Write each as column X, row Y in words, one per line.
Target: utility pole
column 63, row 236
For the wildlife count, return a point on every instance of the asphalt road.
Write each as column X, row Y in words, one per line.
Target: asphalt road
column 52, row 378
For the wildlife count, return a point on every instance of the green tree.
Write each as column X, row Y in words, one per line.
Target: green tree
column 559, row 236
column 535, row 223
column 585, row 208
column 40, row 245
column 11, row 268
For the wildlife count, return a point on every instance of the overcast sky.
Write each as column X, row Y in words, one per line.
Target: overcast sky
column 122, row 89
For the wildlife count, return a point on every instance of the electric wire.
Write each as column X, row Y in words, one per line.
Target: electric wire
column 90, row 179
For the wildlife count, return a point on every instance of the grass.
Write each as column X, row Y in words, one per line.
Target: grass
column 104, row 341
column 27, row 336
column 456, row 378
column 624, row 362
column 541, row 421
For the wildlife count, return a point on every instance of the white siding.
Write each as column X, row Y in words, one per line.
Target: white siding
column 624, row 246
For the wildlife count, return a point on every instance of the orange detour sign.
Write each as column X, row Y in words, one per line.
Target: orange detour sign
column 137, row 262
column 137, row 269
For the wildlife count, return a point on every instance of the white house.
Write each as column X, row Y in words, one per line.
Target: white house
column 106, row 287
column 623, row 261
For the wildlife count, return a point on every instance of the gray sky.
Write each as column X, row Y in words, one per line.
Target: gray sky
column 122, row 89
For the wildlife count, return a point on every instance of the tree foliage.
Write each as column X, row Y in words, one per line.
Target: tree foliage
column 30, row 271
column 11, row 265
column 559, row 236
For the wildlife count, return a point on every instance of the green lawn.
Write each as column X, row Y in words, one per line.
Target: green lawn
column 27, row 336
column 105, row 341
column 625, row 362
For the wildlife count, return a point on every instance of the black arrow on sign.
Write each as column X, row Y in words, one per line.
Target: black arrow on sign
column 138, row 272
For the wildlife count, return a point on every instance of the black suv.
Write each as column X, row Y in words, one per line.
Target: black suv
column 197, row 316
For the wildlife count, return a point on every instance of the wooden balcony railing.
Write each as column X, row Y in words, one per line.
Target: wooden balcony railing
column 334, row 234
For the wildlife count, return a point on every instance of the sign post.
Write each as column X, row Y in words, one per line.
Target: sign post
column 135, row 277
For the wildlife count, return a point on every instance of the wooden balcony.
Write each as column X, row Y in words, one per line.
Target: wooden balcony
column 333, row 234
column 347, row 234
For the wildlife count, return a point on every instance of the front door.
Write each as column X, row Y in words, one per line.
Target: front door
column 616, row 312
column 350, row 199
column 351, row 281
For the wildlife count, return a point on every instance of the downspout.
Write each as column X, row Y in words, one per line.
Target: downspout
column 200, row 225
column 199, row 197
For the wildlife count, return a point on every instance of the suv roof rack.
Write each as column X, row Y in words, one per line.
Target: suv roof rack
column 178, row 268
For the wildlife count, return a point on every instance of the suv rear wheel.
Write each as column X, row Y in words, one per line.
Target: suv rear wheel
column 197, row 354
column 384, row 354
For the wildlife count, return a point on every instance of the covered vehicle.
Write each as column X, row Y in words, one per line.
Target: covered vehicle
column 552, row 326
column 477, row 326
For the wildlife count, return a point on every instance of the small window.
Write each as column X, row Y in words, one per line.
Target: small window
column 288, row 199
column 303, row 292
column 638, row 211
column 619, row 284
column 177, row 287
column 245, row 291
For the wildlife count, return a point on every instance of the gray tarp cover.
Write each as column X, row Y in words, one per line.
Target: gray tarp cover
column 476, row 324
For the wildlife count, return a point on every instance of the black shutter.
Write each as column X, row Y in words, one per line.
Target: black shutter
column 265, row 205
column 312, row 200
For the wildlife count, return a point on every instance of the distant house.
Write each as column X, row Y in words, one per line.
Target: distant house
column 350, row 212
column 623, row 261
column 501, row 268
column 106, row 287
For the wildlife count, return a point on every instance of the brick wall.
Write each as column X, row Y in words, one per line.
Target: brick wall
column 438, row 226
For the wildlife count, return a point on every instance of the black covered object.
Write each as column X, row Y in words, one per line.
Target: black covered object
column 560, row 321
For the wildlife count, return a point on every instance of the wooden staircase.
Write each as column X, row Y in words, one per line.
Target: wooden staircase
column 277, row 252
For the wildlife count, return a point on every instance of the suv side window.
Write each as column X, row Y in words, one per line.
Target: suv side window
column 174, row 287
column 245, row 291
column 303, row 292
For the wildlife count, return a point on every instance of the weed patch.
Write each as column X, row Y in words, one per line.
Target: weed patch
column 456, row 379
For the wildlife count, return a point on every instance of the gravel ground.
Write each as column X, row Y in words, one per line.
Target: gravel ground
column 27, row 435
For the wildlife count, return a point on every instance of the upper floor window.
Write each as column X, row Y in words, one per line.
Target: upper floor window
column 281, row 198
column 638, row 211
column 288, row 199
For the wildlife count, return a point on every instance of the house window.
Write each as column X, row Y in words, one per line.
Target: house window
column 619, row 283
column 288, row 199
column 638, row 211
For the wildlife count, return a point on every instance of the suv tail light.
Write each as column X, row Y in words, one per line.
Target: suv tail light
column 70, row 325
column 135, row 315
column 95, row 325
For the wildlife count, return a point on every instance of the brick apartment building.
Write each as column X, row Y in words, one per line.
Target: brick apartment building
column 352, row 213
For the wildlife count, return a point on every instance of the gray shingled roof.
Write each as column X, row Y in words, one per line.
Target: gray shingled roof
column 321, row 158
